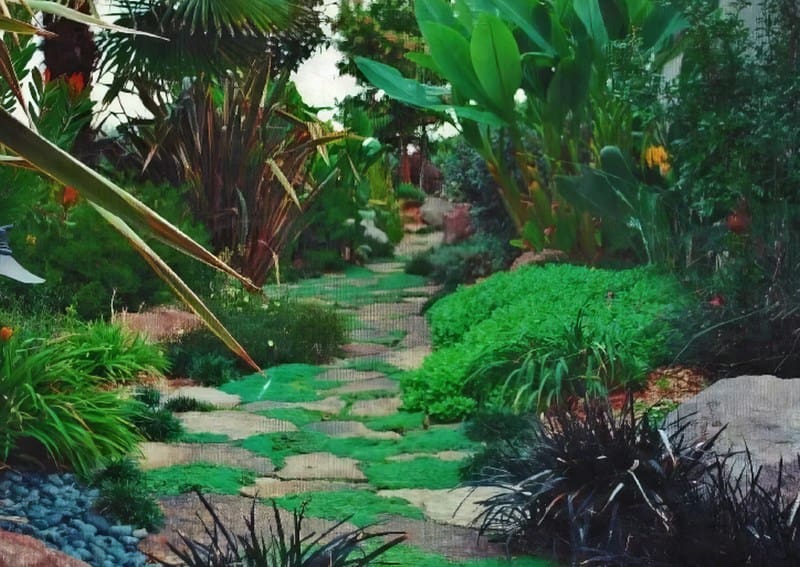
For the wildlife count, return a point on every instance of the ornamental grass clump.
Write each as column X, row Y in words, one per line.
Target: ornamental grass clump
column 285, row 546
column 592, row 486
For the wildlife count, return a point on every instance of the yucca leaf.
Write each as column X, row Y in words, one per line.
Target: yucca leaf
column 178, row 286
column 65, row 169
column 68, row 13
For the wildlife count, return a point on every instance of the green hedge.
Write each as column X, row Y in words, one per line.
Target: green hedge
column 521, row 324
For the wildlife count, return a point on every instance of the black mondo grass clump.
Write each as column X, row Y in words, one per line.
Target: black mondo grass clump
column 285, row 546
column 593, row 486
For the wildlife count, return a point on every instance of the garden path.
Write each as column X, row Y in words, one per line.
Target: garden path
column 335, row 435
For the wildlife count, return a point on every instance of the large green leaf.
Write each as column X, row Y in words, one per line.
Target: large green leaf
column 451, row 53
column 398, row 87
column 588, row 12
column 519, row 13
column 178, row 286
column 569, row 88
column 56, row 163
column 496, row 60
column 440, row 12
column 661, row 25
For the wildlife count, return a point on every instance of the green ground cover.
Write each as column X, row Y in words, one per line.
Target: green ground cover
column 180, row 479
column 366, row 507
column 422, row 472
column 284, row 383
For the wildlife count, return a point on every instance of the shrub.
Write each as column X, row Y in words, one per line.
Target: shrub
column 153, row 422
column 596, row 488
column 517, row 328
column 479, row 256
column 410, row 192
column 113, row 354
column 124, row 496
column 285, row 547
column 281, row 331
column 206, row 368
column 184, row 403
column 599, row 487
column 50, row 400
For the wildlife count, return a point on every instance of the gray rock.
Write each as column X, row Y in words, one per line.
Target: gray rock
column 433, row 211
column 120, row 531
column 759, row 413
column 140, row 533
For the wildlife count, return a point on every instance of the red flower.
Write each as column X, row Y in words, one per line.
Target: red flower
column 69, row 196
column 6, row 333
column 716, row 301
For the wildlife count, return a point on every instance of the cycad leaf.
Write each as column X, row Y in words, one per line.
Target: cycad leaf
column 62, row 11
column 64, row 168
column 178, row 286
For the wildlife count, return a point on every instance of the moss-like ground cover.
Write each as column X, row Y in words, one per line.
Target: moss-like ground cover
column 298, row 416
column 284, row 383
column 366, row 507
column 180, row 479
column 399, row 422
column 277, row 446
column 422, row 472
column 203, row 437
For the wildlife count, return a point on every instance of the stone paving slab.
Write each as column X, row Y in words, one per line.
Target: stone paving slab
column 330, row 405
column 453, row 542
column 340, row 374
column 157, row 455
column 203, row 394
column 355, row 350
column 269, row 487
column 457, row 506
column 322, row 466
column 387, row 267
column 376, row 408
column 234, row 424
column 441, row 455
column 181, row 514
column 344, row 429
column 407, row 358
column 385, row 384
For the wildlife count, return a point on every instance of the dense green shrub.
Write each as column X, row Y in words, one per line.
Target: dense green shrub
column 273, row 332
column 451, row 264
column 125, row 496
column 49, row 400
column 154, row 422
column 582, row 316
column 734, row 146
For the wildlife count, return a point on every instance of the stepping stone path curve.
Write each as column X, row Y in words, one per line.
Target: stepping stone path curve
column 444, row 519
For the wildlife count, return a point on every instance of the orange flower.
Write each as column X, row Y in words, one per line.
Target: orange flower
column 5, row 333
column 69, row 196
column 76, row 83
column 656, row 156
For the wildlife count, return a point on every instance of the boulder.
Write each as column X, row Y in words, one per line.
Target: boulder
column 544, row 256
column 433, row 211
column 759, row 413
column 18, row 550
column 457, row 224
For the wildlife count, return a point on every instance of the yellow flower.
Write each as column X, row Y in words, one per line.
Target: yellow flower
column 30, row 239
column 656, row 156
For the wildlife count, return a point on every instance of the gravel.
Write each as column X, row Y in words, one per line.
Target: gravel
column 57, row 509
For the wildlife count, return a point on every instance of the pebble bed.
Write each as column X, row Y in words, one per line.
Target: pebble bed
column 57, row 509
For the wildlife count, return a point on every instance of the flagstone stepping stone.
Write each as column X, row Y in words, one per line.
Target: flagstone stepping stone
column 213, row 396
column 321, row 466
column 344, row 429
column 376, row 408
column 158, row 455
column 184, row 513
column 415, row 243
column 330, row 405
column 407, row 358
column 453, row 542
column 234, row 424
column 269, row 487
column 387, row 267
column 441, row 455
column 383, row 383
column 364, row 349
column 340, row 374
column 455, row 506
column 421, row 291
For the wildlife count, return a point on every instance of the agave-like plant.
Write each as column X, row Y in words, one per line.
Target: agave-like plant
column 593, row 486
column 284, row 548
column 244, row 160
column 24, row 147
